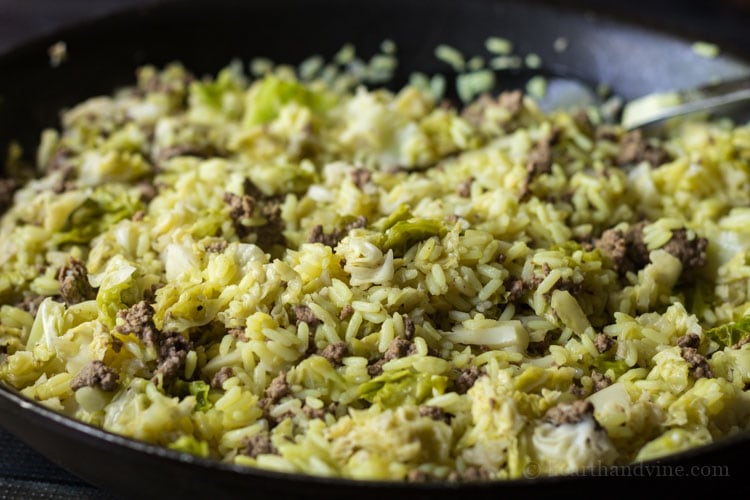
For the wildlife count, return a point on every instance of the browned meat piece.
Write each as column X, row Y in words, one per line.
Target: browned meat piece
column 260, row 444
column 435, row 413
column 95, row 374
column 613, row 245
column 603, row 342
column 476, row 112
column 470, row 474
column 272, row 233
column 238, row 333
column 360, row 177
column 224, row 374
column 252, row 190
column 202, row 150
column 360, row 221
column 577, row 390
column 74, row 282
column 627, row 251
column 318, row 235
column 540, row 348
column 606, row 133
column 217, row 246
column 278, row 388
column 689, row 340
column 635, row 149
column 637, row 249
column 240, row 209
column 173, row 350
column 30, row 303
column 583, row 121
column 569, row 413
column 698, row 363
column 346, row 312
column 303, row 314
column 139, row 320
column 375, row 368
column 464, row 188
column 8, row 186
column 692, row 253
column 334, row 353
column 398, row 348
column 600, row 380
column 409, row 328
column 540, row 159
column 512, row 101
column 466, row 379
column 313, row 413
column 517, row 290
column 147, row 190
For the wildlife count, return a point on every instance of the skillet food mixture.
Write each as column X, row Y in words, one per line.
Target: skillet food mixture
column 283, row 273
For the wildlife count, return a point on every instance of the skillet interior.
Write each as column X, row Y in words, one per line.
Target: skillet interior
column 206, row 37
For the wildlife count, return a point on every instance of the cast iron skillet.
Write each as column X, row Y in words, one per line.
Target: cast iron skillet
column 206, row 36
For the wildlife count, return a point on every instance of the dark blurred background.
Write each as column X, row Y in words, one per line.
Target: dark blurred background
column 723, row 21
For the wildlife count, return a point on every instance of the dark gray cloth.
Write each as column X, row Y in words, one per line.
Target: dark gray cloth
column 24, row 474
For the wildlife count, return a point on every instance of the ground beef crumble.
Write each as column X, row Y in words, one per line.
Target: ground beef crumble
column 346, row 312
column 147, row 190
column 224, row 374
column 260, row 444
column 238, row 333
column 30, row 303
column 635, row 149
column 516, row 290
column 74, row 282
column 626, row 250
column 361, row 177
column 240, row 209
column 95, row 374
column 398, row 348
column 217, row 246
column 600, row 381
column 435, row 413
column 375, row 368
column 476, row 112
column 698, row 363
column 569, row 413
column 318, row 234
column 466, row 379
column 278, row 388
column 334, row 353
column 303, row 314
column 464, row 188
column 409, row 328
column 540, row 347
column 603, row 342
column 540, row 158
column 173, row 349
column 139, row 320
column 690, row 252
column 689, row 340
